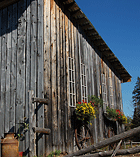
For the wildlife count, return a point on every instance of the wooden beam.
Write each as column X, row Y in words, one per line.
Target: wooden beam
column 91, row 31
column 103, row 48
column 117, row 148
column 99, row 42
column 63, row 1
column 5, row 3
column 40, row 100
column 82, row 20
column 42, row 130
column 106, row 142
column 108, row 53
column 87, row 26
column 119, row 152
column 75, row 13
column 69, row 6
column 94, row 35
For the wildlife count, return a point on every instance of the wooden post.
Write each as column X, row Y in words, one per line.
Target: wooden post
column 131, row 144
column 42, row 130
column 32, row 123
column 124, row 145
column 117, row 148
column 40, row 100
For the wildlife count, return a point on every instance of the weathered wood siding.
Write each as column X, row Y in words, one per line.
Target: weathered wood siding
column 64, row 39
column 21, row 67
column 44, row 49
column 58, row 39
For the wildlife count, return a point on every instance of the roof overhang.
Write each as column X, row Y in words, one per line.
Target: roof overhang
column 6, row 3
column 97, row 40
column 91, row 32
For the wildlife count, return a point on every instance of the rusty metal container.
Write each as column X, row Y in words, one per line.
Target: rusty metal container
column 10, row 146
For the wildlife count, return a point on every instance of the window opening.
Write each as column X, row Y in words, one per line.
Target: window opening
column 83, row 83
column 111, row 93
column 72, row 82
column 104, row 92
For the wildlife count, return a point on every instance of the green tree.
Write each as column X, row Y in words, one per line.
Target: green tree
column 136, row 102
column 128, row 125
column 136, row 94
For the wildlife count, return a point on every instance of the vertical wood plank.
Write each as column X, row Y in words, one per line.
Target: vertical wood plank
column 77, row 64
column 100, row 96
column 20, row 101
column 115, row 102
column 96, row 91
column 107, row 83
column 53, row 74
column 71, row 136
column 47, row 83
column 28, row 76
column 8, row 60
column 32, row 123
column 94, row 125
column 79, row 56
column 61, row 79
column 0, row 75
column 13, row 67
column 33, row 47
column 66, row 79
column 88, row 63
column 33, row 44
column 58, row 73
column 75, row 57
column 113, row 91
column 40, row 76
column 3, row 69
column 92, row 71
column 120, row 91
column 63, row 82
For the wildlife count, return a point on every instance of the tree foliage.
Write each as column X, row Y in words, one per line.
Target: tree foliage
column 128, row 125
column 136, row 93
column 136, row 102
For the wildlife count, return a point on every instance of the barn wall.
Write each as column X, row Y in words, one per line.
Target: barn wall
column 58, row 46
column 42, row 48
column 64, row 40
column 21, row 66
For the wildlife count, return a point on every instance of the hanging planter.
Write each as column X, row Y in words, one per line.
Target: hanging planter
column 85, row 112
column 115, row 115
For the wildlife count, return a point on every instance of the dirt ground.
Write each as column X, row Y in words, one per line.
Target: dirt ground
column 128, row 155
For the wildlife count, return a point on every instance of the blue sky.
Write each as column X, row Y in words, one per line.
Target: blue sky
column 118, row 23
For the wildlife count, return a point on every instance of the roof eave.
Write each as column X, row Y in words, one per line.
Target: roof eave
column 97, row 40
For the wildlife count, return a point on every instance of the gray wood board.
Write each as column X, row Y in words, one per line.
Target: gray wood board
column 20, row 96
column 0, row 81
column 28, row 76
column 47, row 83
column 40, row 74
column 3, row 68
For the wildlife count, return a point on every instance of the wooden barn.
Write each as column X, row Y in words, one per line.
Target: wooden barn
column 50, row 50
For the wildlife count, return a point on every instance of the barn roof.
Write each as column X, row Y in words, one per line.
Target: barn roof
column 94, row 36
column 91, row 32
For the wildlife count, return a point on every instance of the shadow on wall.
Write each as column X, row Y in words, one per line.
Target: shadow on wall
column 10, row 15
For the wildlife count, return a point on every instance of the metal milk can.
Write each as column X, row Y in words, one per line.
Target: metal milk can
column 10, row 146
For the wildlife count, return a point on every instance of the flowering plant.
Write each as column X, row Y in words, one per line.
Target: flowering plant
column 116, row 115
column 85, row 111
column 96, row 102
